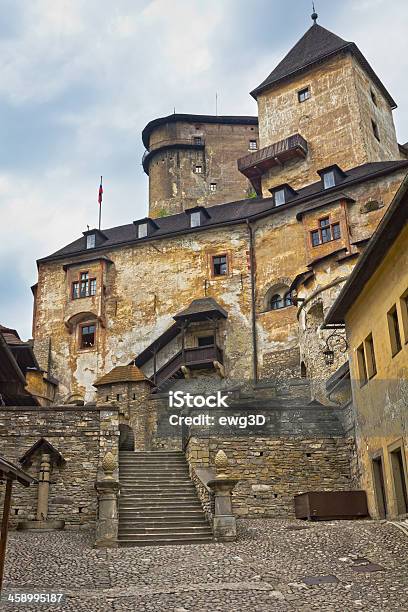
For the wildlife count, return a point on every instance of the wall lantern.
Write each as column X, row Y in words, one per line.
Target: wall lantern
column 334, row 342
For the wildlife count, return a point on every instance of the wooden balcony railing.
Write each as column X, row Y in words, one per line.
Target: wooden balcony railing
column 254, row 165
column 194, row 358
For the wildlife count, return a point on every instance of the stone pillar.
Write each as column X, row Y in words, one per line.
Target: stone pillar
column 43, row 488
column 224, row 522
column 107, row 521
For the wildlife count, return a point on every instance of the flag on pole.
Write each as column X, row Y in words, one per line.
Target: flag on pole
column 100, row 193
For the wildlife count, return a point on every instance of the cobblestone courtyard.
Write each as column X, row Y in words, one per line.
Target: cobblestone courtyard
column 263, row 571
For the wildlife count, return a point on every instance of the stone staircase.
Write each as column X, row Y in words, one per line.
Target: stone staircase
column 158, row 503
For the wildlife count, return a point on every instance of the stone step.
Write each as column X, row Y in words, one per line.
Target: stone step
column 159, row 504
column 155, row 540
column 163, row 512
column 159, row 497
column 132, row 530
column 165, row 506
column 159, row 522
column 168, row 542
column 164, row 489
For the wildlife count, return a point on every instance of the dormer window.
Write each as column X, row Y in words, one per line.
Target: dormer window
column 145, row 227
column 142, row 230
column 331, row 176
column 198, row 215
column 195, row 219
column 94, row 238
column 282, row 194
column 90, row 241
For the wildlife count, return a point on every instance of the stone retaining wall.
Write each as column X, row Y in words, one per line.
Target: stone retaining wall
column 82, row 434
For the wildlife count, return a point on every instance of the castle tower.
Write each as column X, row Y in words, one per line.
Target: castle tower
column 322, row 105
column 192, row 160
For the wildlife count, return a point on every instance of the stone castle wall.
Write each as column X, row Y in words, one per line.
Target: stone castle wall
column 271, row 470
column 82, row 435
column 335, row 121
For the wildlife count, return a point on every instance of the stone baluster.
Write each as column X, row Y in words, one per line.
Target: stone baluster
column 224, row 522
column 107, row 489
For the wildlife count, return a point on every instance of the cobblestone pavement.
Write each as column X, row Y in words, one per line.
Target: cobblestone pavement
column 367, row 563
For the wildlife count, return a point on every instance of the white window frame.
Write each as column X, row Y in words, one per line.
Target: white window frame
column 142, row 230
column 280, row 197
column 90, row 241
column 329, row 179
column 195, row 219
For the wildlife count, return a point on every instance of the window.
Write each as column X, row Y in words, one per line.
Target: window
column 315, row 238
column 280, row 197
column 326, row 232
column 404, row 312
column 288, row 299
column 142, row 230
column 276, row 302
column 336, row 231
column 198, row 170
column 87, row 335
column 85, row 287
column 253, row 145
column 206, row 340
column 394, row 330
column 195, row 219
column 213, row 187
column 375, row 130
column 370, row 356
column 220, row 265
column 329, row 180
column 304, row 94
column 373, row 97
column 361, row 365
column 90, row 241
column 198, row 140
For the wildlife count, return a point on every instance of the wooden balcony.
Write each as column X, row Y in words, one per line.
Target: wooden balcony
column 201, row 357
column 254, row 165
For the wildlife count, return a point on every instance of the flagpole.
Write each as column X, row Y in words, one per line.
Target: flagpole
column 100, row 203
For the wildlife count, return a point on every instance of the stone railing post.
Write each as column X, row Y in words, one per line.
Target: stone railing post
column 224, row 522
column 107, row 520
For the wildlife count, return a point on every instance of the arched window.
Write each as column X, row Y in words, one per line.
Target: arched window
column 288, row 299
column 276, row 302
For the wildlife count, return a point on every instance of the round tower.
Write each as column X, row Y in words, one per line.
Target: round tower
column 192, row 160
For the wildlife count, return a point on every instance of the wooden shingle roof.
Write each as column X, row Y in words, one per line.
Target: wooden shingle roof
column 127, row 373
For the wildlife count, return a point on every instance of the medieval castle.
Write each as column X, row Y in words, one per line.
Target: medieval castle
column 254, row 226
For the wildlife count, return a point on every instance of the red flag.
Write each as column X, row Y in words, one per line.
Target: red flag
column 100, row 193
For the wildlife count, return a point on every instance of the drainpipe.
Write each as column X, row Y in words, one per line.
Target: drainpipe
column 253, row 309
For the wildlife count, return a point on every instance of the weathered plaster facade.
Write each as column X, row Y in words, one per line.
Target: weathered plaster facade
column 178, row 148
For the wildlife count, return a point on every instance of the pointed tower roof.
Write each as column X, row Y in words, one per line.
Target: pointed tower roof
column 315, row 46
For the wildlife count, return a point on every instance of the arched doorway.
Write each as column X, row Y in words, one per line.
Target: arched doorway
column 126, row 438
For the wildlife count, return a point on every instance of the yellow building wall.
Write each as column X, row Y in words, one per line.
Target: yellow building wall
column 381, row 404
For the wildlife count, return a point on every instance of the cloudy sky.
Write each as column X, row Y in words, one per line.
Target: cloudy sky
column 81, row 78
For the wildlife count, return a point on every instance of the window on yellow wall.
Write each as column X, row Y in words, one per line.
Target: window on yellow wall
column 370, row 356
column 361, row 365
column 404, row 313
column 394, row 330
